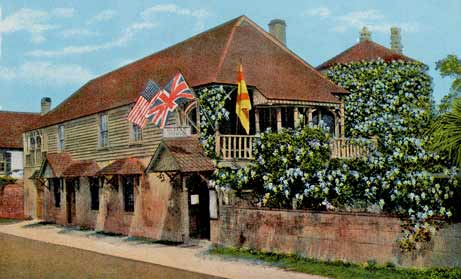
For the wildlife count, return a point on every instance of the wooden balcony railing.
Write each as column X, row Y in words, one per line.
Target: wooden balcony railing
column 344, row 148
column 235, row 147
column 240, row 147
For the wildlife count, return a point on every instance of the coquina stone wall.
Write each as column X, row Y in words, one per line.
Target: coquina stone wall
column 351, row 237
column 12, row 201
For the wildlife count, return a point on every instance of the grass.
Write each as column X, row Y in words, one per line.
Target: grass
column 8, row 221
column 145, row 240
column 336, row 269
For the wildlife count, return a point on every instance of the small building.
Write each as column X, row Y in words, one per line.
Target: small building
column 95, row 169
column 12, row 125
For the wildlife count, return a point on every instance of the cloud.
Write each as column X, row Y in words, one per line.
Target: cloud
column 127, row 35
column 373, row 19
column 42, row 72
column 320, row 12
column 63, row 12
column 77, row 32
column 102, row 16
column 198, row 14
column 32, row 21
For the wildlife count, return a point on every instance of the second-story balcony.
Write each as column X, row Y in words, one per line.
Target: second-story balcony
column 238, row 149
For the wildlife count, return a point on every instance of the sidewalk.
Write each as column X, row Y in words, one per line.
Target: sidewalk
column 185, row 257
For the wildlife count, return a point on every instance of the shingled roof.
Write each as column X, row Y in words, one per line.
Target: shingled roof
column 83, row 168
column 123, row 167
column 209, row 57
column 366, row 50
column 12, row 124
column 180, row 154
column 58, row 163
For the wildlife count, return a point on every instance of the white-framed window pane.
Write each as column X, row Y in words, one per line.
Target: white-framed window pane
column 136, row 133
column 61, row 137
column 103, row 130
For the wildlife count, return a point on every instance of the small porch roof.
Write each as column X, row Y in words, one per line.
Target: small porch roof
column 126, row 166
column 184, row 155
column 84, row 168
column 55, row 164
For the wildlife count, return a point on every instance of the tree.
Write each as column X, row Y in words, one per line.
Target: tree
column 446, row 132
column 450, row 67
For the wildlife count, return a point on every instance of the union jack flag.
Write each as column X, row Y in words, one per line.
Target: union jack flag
column 175, row 93
column 138, row 113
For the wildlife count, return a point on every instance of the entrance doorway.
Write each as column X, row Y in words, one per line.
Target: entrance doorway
column 70, row 200
column 199, row 208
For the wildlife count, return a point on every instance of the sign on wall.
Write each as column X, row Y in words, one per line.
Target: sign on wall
column 176, row 132
column 213, row 205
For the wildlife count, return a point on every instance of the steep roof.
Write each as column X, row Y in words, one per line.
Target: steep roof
column 58, row 163
column 12, row 124
column 209, row 57
column 180, row 154
column 366, row 50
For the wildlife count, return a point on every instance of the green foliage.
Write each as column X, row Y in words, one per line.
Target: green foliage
column 336, row 269
column 392, row 97
column 450, row 66
column 446, row 133
column 212, row 112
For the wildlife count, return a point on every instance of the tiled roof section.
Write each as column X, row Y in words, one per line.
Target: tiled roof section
column 12, row 125
column 59, row 162
column 82, row 169
column 124, row 167
column 189, row 154
column 209, row 57
column 366, row 50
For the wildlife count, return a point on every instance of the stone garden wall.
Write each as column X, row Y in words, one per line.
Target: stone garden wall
column 12, row 201
column 353, row 237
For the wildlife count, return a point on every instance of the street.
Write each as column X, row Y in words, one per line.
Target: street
column 24, row 258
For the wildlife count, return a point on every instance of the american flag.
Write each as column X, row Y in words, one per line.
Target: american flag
column 138, row 113
column 175, row 92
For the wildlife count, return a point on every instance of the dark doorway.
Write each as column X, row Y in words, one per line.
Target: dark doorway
column 71, row 184
column 199, row 208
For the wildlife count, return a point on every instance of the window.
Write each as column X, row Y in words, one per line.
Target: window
column 2, row 163
column 94, row 191
column 61, row 137
column 103, row 130
column 128, row 193
column 55, row 184
column 136, row 133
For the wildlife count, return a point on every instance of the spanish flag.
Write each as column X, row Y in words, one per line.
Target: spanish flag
column 243, row 105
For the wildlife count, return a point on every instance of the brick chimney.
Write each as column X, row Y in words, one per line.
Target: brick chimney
column 365, row 34
column 277, row 28
column 45, row 105
column 396, row 40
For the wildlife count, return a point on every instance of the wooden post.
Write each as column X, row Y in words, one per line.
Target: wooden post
column 309, row 116
column 185, row 209
column 342, row 113
column 279, row 119
column 257, row 128
column 217, row 141
column 296, row 117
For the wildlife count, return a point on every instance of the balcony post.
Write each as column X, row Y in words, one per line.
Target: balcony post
column 309, row 116
column 257, row 128
column 279, row 118
column 217, row 140
column 296, row 117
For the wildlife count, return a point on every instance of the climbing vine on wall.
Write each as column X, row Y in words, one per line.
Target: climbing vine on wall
column 212, row 102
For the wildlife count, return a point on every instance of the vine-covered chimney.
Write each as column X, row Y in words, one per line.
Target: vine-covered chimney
column 365, row 34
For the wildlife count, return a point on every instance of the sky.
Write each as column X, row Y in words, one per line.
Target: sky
column 52, row 48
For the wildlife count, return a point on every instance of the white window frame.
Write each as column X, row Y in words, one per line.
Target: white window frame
column 133, row 138
column 61, row 138
column 105, row 132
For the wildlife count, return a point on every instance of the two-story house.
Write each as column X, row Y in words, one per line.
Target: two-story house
column 93, row 168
